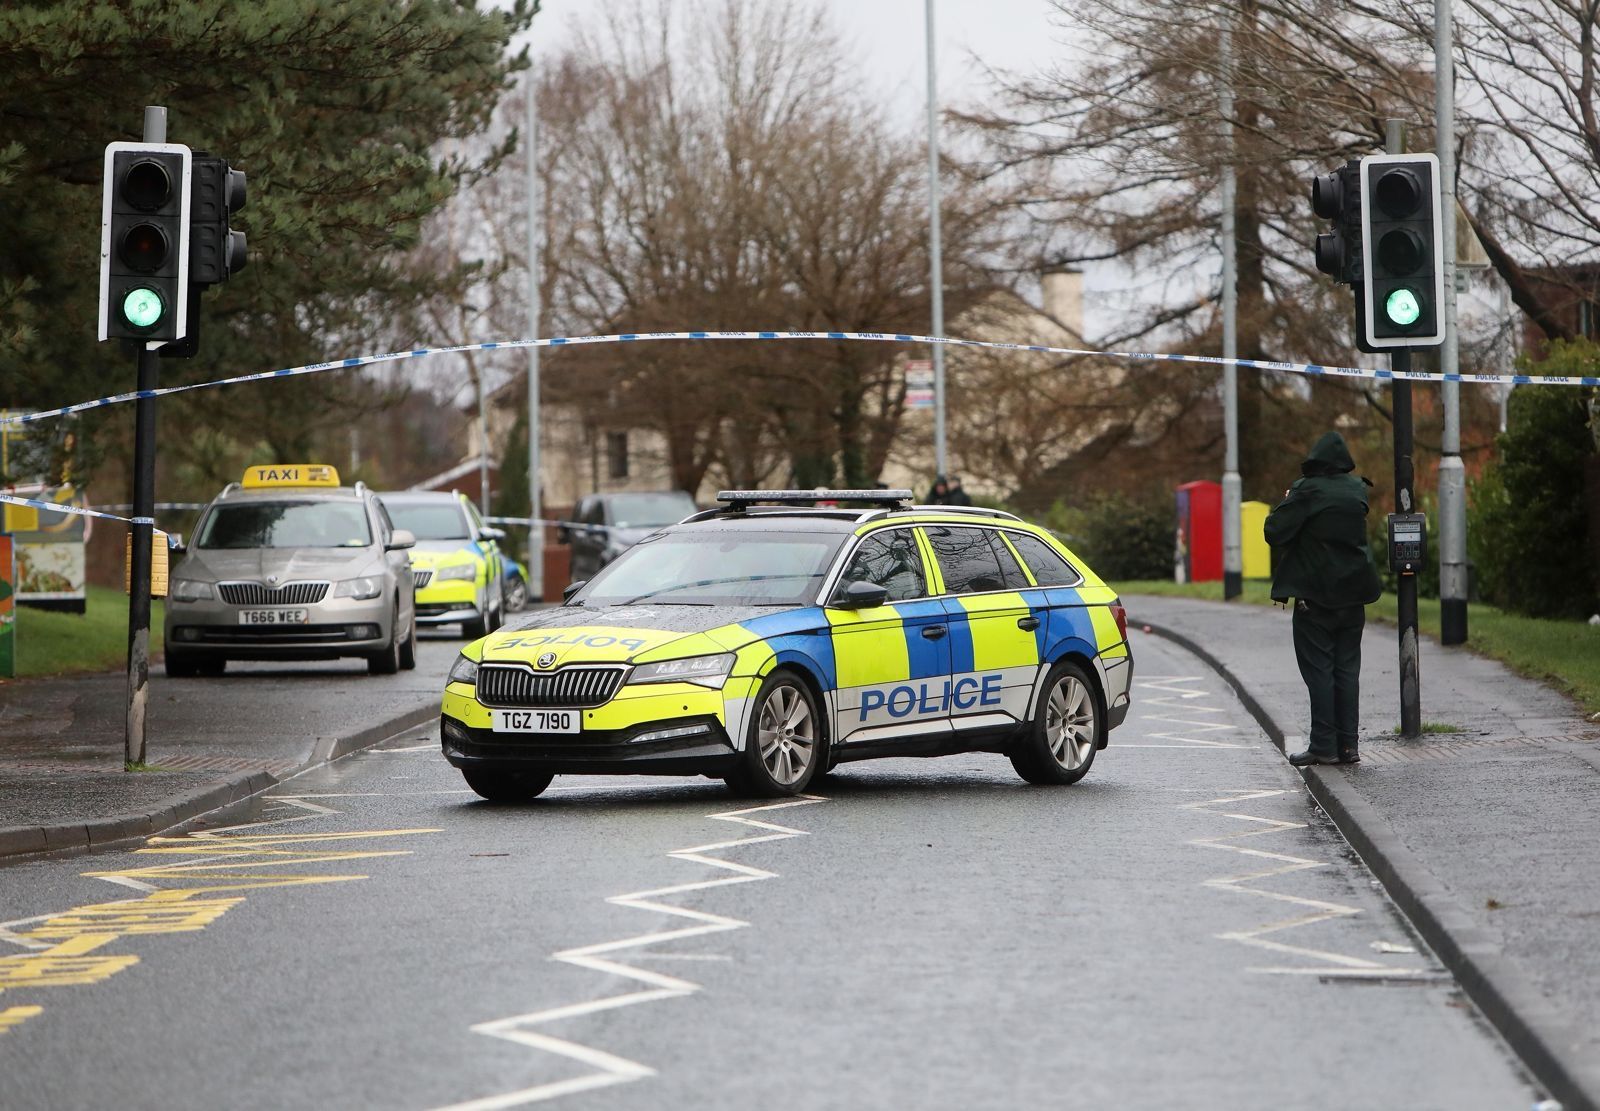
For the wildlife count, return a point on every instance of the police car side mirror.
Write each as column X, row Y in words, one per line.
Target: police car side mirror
column 573, row 588
column 491, row 534
column 175, row 542
column 562, row 535
column 399, row 540
column 863, row 595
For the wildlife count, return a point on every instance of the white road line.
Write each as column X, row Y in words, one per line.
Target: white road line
column 609, row 1068
column 1171, row 696
column 1315, row 910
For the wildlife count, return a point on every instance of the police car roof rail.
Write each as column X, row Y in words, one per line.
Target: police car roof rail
column 973, row 510
column 737, row 501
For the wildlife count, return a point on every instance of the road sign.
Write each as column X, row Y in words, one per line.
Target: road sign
column 919, row 384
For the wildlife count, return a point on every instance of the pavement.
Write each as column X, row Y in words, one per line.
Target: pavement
column 62, row 783
column 1488, row 839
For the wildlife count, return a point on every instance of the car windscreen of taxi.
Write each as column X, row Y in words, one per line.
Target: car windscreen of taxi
column 765, row 644
column 289, row 564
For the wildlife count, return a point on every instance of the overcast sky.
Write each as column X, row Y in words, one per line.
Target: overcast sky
column 890, row 38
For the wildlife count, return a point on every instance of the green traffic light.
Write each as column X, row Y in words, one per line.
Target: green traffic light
column 1402, row 307
column 143, row 308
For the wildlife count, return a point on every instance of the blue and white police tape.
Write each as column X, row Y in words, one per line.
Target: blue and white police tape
column 870, row 337
column 74, row 510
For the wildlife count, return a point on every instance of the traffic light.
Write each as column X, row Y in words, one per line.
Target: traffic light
column 1336, row 196
column 216, row 251
column 1402, row 251
column 144, row 242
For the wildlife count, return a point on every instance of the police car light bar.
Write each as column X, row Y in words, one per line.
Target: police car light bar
column 737, row 500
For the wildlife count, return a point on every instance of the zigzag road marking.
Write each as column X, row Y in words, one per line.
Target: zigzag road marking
column 1173, row 695
column 1315, row 910
column 609, row 1068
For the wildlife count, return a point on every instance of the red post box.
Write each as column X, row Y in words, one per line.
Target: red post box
column 1198, row 556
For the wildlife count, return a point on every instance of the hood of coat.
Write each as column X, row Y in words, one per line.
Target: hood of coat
column 1329, row 455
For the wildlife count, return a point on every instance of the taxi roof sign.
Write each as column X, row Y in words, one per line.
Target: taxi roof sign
column 289, row 474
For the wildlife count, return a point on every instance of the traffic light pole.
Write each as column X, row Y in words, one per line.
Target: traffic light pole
column 142, row 530
column 1406, row 584
column 1405, row 495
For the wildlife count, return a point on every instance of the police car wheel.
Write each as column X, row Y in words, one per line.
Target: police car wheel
column 517, row 596
column 477, row 627
column 784, row 744
column 503, row 786
column 1067, row 728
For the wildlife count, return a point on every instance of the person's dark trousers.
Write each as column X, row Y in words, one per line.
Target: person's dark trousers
column 1327, row 645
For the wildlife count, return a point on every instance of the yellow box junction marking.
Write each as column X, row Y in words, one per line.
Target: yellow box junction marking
column 13, row 1017
column 224, row 864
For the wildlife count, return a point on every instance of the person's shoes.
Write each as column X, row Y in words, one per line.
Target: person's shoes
column 1301, row 759
column 1349, row 756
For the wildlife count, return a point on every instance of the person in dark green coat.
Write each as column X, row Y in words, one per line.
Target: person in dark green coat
column 1319, row 533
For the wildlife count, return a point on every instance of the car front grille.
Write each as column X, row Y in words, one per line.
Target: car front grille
column 421, row 578
column 574, row 687
column 259, row 594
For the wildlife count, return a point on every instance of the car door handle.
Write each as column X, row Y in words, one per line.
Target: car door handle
column 933, row 632
column 1028, row 623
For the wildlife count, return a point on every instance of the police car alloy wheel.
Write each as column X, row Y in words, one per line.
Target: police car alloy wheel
column 1067, row 728
column 503, row 786
column 784, row 745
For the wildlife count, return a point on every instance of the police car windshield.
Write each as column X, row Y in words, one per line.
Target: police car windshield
column 437, row 520
column 705, row 568
column 314, row 524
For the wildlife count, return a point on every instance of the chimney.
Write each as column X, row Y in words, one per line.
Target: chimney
column 1062, row 288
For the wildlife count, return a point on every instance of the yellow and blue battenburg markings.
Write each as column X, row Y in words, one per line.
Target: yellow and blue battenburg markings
column 882, row 671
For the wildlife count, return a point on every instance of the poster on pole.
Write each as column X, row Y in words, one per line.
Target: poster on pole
column 919, row 384
column 8, row 609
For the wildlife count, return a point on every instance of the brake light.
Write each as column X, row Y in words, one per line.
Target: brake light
column 1121, row 615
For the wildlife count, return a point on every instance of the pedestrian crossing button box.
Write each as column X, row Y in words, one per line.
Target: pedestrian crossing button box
column 1408, row 542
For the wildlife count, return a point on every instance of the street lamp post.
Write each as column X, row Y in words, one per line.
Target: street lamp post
column 936, row 261
column 535, row 568
column 1232, row 486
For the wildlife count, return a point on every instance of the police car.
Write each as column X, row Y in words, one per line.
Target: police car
column 289, row 564
column 457, row 563
column 766, row 643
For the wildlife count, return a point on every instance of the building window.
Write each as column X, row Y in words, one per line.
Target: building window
column 617, row 454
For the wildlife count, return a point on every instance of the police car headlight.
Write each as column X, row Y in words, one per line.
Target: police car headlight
column 190, row 590
column 464, row 671
column 358, row 588
column 706, row 671
column 457, row 571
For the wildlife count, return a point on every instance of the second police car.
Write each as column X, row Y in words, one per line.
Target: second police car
column 459, row 569
column 763, row 644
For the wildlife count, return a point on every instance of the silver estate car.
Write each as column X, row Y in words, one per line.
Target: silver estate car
column 290, row 565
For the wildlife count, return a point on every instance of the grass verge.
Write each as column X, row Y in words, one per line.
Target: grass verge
column 1565, row 654
column 50, row 643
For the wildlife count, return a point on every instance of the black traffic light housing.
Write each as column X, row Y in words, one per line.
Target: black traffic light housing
column 1402, row 301
column 144, row 242
column 216, row 251
column 1336, row 197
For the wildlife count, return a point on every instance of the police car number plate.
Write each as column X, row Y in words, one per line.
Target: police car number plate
column 274, row 617
column 538, row 721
